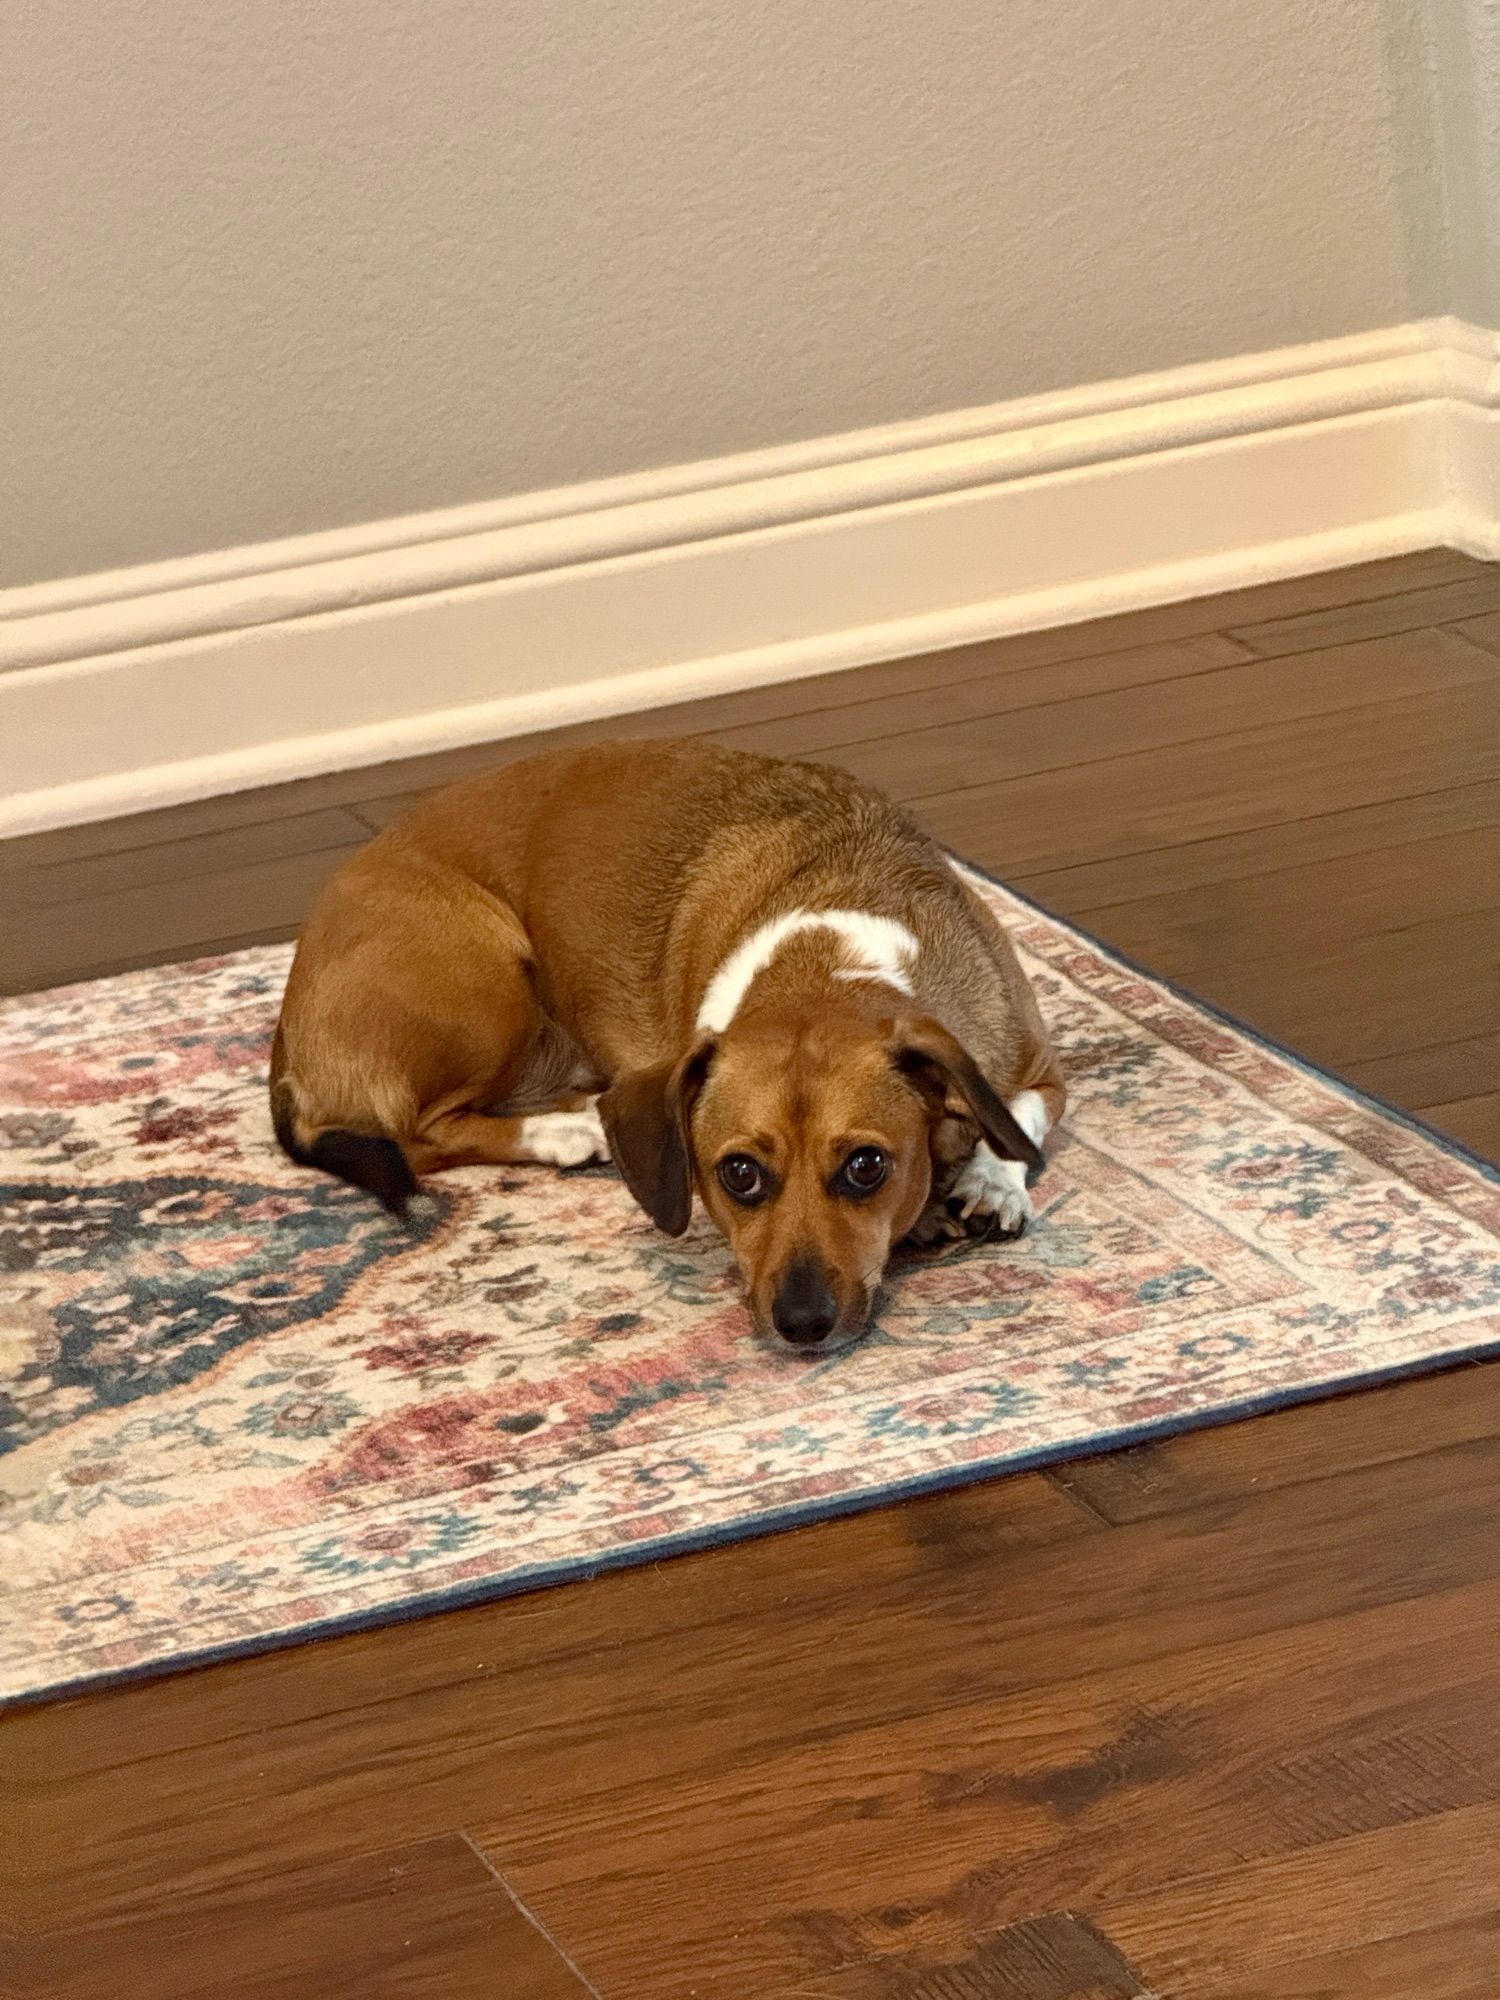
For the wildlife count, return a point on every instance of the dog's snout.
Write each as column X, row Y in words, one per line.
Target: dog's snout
column 804, row 1310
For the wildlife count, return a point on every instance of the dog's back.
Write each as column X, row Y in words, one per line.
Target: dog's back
column 583, row 900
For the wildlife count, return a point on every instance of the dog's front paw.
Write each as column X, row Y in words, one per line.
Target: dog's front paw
column 989, row 1197
column 564, row 1138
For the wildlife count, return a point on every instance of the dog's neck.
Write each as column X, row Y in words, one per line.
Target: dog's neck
column 794, row 958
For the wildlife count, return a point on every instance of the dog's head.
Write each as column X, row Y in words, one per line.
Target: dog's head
column 812, row 1137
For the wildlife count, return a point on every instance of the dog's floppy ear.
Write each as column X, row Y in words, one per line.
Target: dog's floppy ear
column 647, row 1116
column 940, row 1067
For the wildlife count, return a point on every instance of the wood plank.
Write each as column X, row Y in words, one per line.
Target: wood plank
column 1313, row 907
column 162, row 921
column 196, row 818
column 619, row 1701
column 1317, row 1441
column 1453, row 1962
column 1019, row 826
column 425, row 1922
column 965, row 1820
column 1299, row 843
column 921, row 761
column 1482, row 631
column 1244, row 1921
column 1438, row 604
column 52, row 884
column 982, row 696
column 892, row 1552
column 1474, row 1121
column 1435, row 1074
column 785, row 718
column 378, row 813
column 1372, row 997
column 1056, row 1957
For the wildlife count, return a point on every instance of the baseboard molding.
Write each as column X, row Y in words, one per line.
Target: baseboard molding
column 1471, row 438
column 179, row 680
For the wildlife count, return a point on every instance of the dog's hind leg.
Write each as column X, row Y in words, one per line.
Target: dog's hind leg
column 474, row 1138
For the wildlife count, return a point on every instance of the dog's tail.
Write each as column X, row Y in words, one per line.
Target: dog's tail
column 368, row 1160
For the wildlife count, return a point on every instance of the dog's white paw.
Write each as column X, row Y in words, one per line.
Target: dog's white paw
column 564, row 1138
column 990, row 1197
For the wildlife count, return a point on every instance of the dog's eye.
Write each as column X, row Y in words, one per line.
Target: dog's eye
column 865, row 1169
column 742, row 1178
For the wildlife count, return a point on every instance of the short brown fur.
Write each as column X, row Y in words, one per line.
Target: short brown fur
column 551, row 929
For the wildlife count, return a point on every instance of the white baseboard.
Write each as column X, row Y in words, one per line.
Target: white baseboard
column 177, row 680
column 1471, row 438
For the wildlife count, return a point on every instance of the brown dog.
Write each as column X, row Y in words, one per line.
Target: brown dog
column 787, row 995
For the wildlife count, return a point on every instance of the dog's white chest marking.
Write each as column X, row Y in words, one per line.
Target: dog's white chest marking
column 882, row 949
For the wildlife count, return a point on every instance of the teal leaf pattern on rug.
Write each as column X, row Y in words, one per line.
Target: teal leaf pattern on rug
column 161, row 1278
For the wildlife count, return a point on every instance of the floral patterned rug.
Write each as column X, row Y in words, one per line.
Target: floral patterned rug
column 239, row 1405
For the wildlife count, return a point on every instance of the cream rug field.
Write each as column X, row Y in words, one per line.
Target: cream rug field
column 240, row 1406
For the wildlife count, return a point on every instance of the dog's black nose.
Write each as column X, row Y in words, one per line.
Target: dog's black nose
column 804, row 1310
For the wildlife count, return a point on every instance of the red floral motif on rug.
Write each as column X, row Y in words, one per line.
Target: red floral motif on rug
column 238, row 1404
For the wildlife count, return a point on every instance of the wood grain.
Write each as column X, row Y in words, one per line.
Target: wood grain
column 1056, row 1957
column 1372, row 996
column 1337, row 1895
column 1440, row 604
column 425, row 1922
column 1317, row 1441
column 894, row 1552
column 594, row 1743
column 1215, row 1719
column 1248, row 779
column 1451, row 1962
column 1433, row 1074
column 921, row 763
column 51, row 885
column 966, row 1816
column 981, row 697
column 1091, row 886
column 155, row 921
column 1314, row 906
column 1473, row 1121
column 1482, row 631
column 788, row 718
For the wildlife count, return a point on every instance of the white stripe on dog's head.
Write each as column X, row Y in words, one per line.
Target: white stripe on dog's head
column 882, row 948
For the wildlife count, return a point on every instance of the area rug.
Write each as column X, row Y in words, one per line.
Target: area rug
column 243, row 1406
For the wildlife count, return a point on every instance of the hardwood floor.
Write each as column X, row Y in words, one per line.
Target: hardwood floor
column 1217, row 1719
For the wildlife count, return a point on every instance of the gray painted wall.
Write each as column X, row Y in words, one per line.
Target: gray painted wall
column 287, row 266
column 1465, row 83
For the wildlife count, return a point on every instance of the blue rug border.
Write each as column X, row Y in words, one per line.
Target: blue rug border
column 813, row 1513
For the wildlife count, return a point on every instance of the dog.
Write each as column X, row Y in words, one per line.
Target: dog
column 753, row 979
